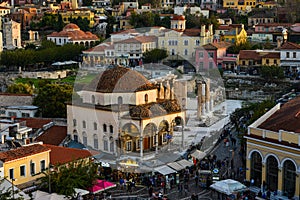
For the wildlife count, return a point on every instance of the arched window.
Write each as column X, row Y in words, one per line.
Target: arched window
column 272, row 173
column 95, row 126
column 105, row 144
column 289, row 178
column 96, row 141
column 146, row 98
column 111, row 129
column 120, row 100
column 84, row 138
column 93, row 99
column 111, row 146
column 74, row 122
column 75, row 136
column 104, row 128
column 83, row 124
column 256, row 168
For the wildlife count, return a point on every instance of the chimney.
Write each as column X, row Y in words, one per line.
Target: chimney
column 202, row 34
column 278, row 42
column 211, row 31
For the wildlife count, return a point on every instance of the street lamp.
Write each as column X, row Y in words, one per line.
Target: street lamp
column 13, row 189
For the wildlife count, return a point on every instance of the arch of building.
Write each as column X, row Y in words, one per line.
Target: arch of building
column 255, row 150
column 275, row 156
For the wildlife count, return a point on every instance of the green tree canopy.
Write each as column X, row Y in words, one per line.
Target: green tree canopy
column 154, row 55
column 51, row 100
column 271, row 72
column 20, row 88
column 74, row 175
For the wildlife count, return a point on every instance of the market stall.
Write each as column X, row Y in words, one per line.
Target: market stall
column 228, row 189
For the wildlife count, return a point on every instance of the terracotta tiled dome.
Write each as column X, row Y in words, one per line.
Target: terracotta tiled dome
column 178, row 17
column 71, row 26
column 120, row 79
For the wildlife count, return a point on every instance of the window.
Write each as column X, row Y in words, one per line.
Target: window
column 197, row 42
column 83, row 124
column 120, row 100
column 200, row 54
column 95, row 126
column 104, row 128
column 43, row 165
column 105, row 145
column 267, row 61
column 243, row 62
column 111, row 129
column 138, row 144
column 22, row 170
column 275, row 62
column 128, row 145
column 96, row 142
column 287, row 54
column 294, row 54
column 11, row 173
column 76, row 138
column 211, row 54
column 111, row 146
column 186, row 42
column 185, row 52
column 84, row 138
column 32, row 168
column 25, row 114
column 146, row 98
column 201, row 65
column 74, row 122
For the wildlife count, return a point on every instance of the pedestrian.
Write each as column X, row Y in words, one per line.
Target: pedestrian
column 194, row 197
column 180, row 188
column 196, row 179
column 150, row 191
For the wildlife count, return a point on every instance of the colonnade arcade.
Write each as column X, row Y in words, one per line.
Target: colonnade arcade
column 276, row 175
column 153, row 135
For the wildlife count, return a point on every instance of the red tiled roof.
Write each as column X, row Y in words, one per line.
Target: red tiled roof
column 209, row 47
column 54, row 135
column 287, row 118
column 139, row 39
column 99, row 48
column 249, row 55
column 290, row 45
column 178, row 17
column 272, row 55
column 119, row 79
column 73, row 32
column 35, row 122
column 62, row 155
column 192, row 32
column 222, row 44
column 22, row 152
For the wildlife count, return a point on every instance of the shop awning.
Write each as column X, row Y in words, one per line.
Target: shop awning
column 184, row 163
column 198, row 154
column 164, row 170
column 175, row 166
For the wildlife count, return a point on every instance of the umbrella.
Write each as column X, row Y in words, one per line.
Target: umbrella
column 101, row 185
column 228, row 186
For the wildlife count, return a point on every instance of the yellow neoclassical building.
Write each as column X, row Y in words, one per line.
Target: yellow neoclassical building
column 236, row 34
column 273, row 150
column 24, row 164
column 240, row 5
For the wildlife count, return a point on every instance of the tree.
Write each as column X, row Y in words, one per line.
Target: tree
column 74, row 175
column 7, row 193
column 271, row 72
column 20, row 88
column 82, row 23
column 87, row 2
column 51, row 100
column 154, row 55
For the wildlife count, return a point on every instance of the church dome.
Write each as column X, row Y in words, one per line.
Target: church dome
column 120, row 79
column 71, row 26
